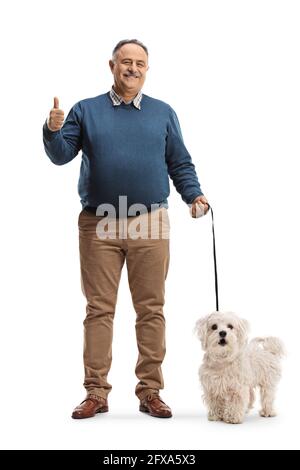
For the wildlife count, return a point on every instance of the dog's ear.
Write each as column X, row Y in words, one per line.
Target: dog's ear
column 243, row 330
column 200, row 330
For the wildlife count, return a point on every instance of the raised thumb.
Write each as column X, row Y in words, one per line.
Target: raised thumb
column 56, row 103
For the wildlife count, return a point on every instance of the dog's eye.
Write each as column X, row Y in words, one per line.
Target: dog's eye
column 214, row 327
column 230, row 326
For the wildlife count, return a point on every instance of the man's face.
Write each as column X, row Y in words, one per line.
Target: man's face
column 130, row 68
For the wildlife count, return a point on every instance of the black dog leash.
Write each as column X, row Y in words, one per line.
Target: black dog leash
column 215, row 256
column 215, row 259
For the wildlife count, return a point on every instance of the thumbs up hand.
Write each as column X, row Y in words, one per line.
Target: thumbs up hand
column 56, row 117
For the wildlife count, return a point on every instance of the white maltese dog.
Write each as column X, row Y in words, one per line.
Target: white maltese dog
column 232, row 368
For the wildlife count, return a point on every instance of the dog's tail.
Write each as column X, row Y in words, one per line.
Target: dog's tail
column 271, row 344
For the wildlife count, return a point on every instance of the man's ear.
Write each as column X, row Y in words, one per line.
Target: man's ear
column 111, row 65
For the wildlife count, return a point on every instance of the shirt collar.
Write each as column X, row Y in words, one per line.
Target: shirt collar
column 117, row 99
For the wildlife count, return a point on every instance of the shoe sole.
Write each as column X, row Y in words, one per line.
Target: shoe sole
column 145, row 410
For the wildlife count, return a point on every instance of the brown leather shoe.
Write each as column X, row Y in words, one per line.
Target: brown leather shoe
column 154, row 405
column 90, row 406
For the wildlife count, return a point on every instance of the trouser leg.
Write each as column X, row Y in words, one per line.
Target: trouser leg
column 147, row 264
column 101, row 263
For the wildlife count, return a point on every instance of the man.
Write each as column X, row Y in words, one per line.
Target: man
column 130, row 143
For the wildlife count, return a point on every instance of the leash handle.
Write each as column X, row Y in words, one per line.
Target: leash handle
column 215, row 259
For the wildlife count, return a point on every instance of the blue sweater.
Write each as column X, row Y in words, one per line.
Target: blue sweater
column 125, row 151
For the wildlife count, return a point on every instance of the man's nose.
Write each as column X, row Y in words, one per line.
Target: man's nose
column 222, row 333
column 132, row 68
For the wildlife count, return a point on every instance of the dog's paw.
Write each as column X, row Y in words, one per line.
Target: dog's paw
column 268, row 413
column 212, row 417
column 233, row 420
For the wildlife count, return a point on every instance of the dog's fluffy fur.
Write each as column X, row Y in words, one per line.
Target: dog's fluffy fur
column 232, row 368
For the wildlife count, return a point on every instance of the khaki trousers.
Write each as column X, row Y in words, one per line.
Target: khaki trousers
column 101, row 262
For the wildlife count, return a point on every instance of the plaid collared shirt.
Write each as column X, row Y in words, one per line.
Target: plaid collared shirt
column 117, row 99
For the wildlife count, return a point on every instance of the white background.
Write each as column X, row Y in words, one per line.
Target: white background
column 231, row 71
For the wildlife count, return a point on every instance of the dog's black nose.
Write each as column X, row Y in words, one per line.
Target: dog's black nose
column 222, row 334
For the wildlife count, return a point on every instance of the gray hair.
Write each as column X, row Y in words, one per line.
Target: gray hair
column 128, row 41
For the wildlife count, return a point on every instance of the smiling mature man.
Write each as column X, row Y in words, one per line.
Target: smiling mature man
column 129, row 66
column 131, row 144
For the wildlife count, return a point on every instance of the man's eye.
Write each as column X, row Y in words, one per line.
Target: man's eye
column 214, row 327
column 230, row 326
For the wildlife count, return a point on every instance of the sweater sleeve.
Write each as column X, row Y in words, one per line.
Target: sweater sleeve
column 63, row 145
column 180, row 166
